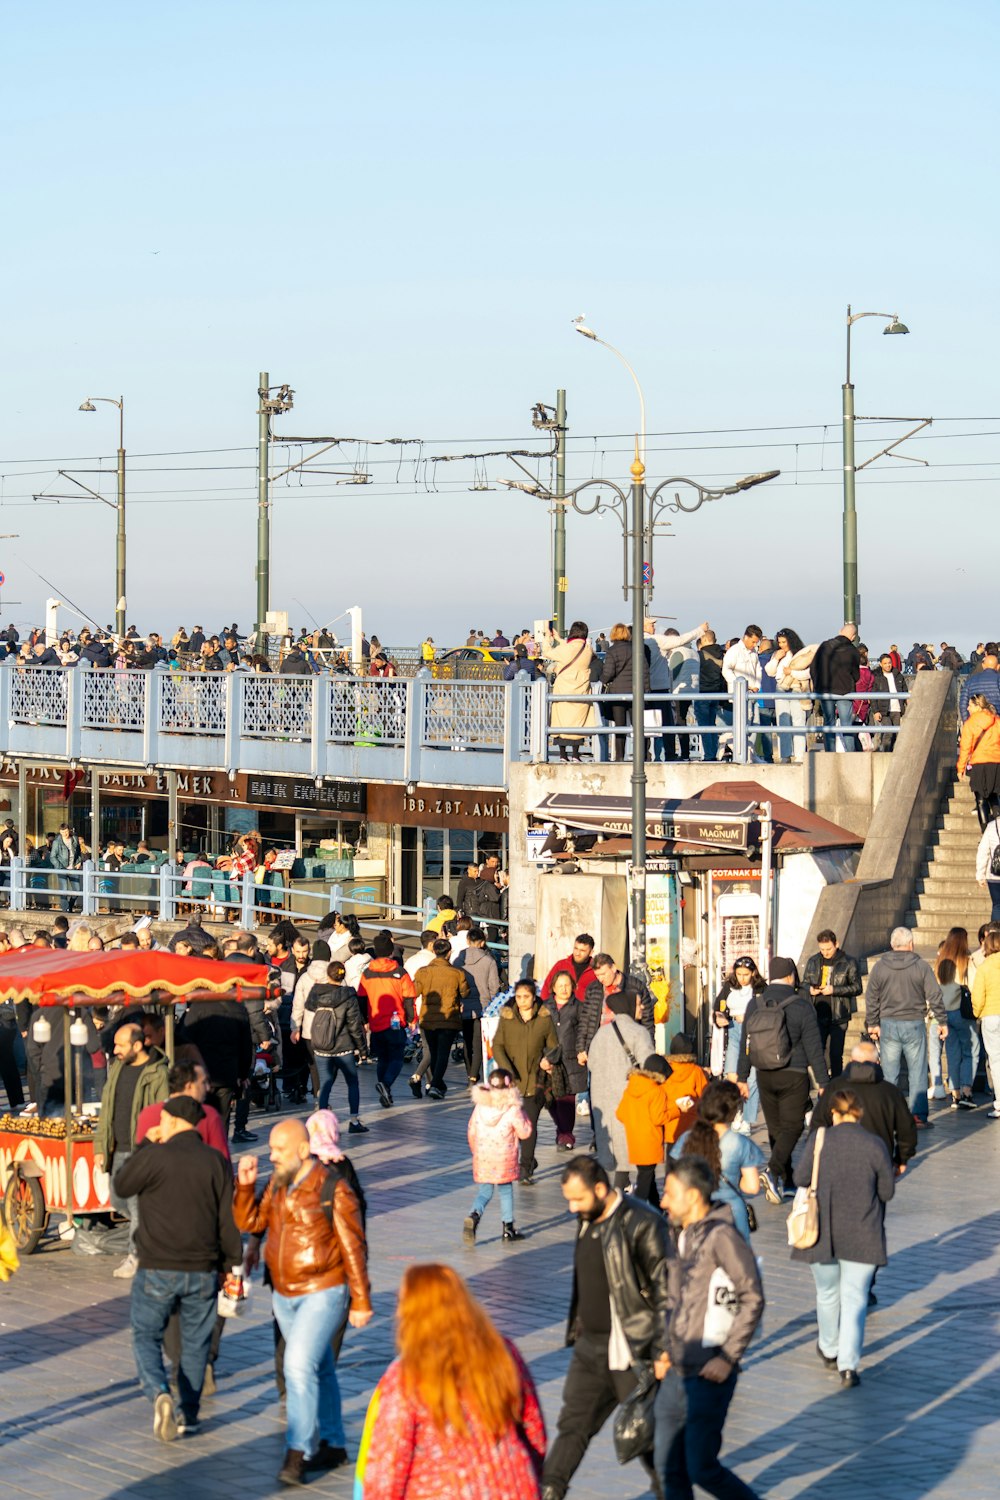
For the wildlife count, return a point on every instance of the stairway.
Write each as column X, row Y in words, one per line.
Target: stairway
column 946, row 893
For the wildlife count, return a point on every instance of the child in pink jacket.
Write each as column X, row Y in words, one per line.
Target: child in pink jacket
column 498, row 1123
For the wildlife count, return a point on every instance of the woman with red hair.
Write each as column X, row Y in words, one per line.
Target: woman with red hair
column 456, row 1413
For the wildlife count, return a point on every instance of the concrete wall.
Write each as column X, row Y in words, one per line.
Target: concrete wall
column 863, row 911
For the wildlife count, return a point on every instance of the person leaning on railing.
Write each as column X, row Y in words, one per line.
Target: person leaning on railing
column 570, row 661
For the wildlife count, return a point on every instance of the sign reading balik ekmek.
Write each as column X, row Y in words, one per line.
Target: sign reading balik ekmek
column 301, row 792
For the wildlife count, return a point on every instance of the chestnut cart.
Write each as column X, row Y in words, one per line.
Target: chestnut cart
column 47, row 1165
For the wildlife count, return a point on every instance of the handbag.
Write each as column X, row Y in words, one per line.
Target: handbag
column 751, row 1215
column 995, row 856
column 635, row 1421
column 965, row 1003
column 803, row 1221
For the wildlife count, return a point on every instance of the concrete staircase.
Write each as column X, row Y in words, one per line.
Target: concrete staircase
column 946, row 894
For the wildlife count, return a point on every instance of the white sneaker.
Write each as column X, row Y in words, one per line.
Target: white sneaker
column 993, row 1114
column 583, row 1109
column 937, row 1092
column 127, row 1269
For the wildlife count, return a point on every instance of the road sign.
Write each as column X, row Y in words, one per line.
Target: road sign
column 647, row 573
column 2, row 580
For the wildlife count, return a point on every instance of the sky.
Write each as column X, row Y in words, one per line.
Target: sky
column 399, row 209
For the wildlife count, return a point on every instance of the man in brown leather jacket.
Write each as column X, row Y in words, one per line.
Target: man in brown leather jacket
column 317, row 1257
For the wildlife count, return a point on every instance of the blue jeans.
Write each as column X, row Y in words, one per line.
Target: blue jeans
column 485, row 1192
column 68, row 880
column 898, row 1039
column 308, row 1324
column 690, row 1415
column 129, row 1207
column 842, row 1288
column 344, row 1063
column 838, row 711
column 155, row 1296
column 706, row 716
column 935, row 1049
column 962, row 1048
column 994, row 890
column 387, row 1049
column 733, row 1041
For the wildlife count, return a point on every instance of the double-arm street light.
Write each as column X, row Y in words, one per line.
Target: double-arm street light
column 638, row 526
column 852, row 603
column 88, row 405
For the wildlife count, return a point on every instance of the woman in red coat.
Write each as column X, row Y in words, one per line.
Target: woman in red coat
column 456, row 1414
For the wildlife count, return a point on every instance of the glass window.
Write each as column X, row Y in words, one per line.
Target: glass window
column 432, row 862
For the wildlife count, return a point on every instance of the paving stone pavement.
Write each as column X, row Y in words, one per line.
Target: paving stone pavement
column 925, row 1421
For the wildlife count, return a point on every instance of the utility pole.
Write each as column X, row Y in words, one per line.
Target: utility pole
column 852, row 603
column 638, row 873
column 120, row 600
column 559, row 550
column 263, row 573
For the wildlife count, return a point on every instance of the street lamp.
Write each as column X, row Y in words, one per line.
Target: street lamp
column 88, row 405
column 642, row 576
column 852, row 603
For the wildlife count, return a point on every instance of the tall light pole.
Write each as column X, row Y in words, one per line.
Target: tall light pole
column 268, row 406
column 638, row 524
column 120, row 599
column 852, row 601
column 637, row 532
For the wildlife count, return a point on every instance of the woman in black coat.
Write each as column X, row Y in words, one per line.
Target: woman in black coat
column 616, row 677
column 570, row 1078
column 856, row 1180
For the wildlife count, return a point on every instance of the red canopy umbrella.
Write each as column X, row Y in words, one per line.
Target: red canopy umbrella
column 46, row 976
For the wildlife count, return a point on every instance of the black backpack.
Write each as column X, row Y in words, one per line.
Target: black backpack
column 766, row 1036
column 325, row 1027
column 337, row 1171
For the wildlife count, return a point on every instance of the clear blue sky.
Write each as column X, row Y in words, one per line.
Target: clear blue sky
column 398, row 209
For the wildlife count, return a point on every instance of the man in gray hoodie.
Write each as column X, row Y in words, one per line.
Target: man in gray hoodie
column 901, row 991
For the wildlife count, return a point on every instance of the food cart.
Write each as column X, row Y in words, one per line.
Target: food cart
column 47, row 1164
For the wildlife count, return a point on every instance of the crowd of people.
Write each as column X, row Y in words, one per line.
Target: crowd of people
column 833, row 690
column 664, row 1198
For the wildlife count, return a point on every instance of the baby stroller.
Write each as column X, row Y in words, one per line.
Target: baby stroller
column 264, row 1079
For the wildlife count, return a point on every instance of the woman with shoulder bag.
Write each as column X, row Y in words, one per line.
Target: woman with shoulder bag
column 730, row 1007
column 979, row 754
column 616, row 678
column 570, row 662
column 735, row 1159
column 962, row 1042
column 855, row 1179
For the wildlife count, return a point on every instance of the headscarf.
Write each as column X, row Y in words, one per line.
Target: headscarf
column 324, row 1136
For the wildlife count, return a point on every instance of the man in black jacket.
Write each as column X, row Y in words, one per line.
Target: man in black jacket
column 186, row 1236
column 886, row 1113
column 618, row 1313
column 610, row 981
column 835, row 670
column 834, row 982
column 784, row 1089
column 887, row 710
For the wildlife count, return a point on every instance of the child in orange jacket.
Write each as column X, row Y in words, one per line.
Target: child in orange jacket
column 685, row 1086
column 647, row 1111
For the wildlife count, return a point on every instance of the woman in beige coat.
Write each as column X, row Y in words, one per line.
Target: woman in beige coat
column 571, row 660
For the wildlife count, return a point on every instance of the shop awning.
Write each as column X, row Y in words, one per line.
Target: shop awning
column 723, row 816
column 700, row 822
column 44, row 977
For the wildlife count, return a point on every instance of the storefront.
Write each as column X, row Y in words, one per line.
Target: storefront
column 435, row 833
column 735, row 872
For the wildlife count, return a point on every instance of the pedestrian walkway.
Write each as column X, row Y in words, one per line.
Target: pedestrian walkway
column 925, row 1421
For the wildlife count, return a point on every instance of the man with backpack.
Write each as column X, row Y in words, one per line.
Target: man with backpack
column 781, row 1040
column 317, row 1259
